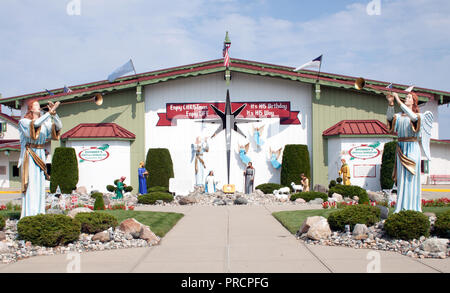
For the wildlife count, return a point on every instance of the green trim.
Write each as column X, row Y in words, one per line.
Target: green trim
column 317, row 91
column 361, row 136
column 440, row 142
column 9, row 149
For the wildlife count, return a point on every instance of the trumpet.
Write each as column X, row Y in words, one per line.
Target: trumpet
column 97, row 99
column 360, row 83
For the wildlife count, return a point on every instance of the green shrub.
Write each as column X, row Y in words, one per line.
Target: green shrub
column 352, row 215
column 158, row 189
column 99, row 203
column 310, row 195
column 442, row 225
column 128, row 189
column 268, row 188
column 295, row 162
column 2, row 223
column 111, row 188
column 387, row 165
column 12, row 215
column 48, row 230
column 332, row 184
column 96, row 194
column 151, row 198
column 407, row 225
column 92, row 223
column 64, row 170
column 350, row 191
column 339, row 180
column 160, row 167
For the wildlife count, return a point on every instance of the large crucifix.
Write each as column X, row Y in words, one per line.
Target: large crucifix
column 228, row 122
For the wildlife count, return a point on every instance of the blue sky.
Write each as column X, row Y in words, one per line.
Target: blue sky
column 44, row 47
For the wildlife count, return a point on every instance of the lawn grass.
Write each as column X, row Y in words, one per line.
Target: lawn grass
column 293, row 220
column 159, row 222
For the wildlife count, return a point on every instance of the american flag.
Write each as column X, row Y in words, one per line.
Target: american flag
column 67, row 90
column 226, row 56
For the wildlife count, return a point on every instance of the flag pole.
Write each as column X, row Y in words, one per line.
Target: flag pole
column 133, row 66
column 320, row 67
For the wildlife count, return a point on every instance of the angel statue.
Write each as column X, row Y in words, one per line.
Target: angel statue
column 243, row 151
column 257, row 133
column 274, row 157
column 197, row 149
column 412, row 128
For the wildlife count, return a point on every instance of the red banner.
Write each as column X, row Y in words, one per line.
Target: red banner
column 280, row 110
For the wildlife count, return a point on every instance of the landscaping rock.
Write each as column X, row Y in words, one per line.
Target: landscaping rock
column 76, row 211
column 106, row 200
column 259, row 192
column 219, row 202
column 316, row 201
column 149, row 236
column 300, row 200
column 435, row 245
column 185, row 200
column 319, row 230
column 337, row 197
column 55, row 212
column 308, row 223
column 4, row 247
column 131, row 226
column 240, row 201
column 355, row 198
column 2, row 236
column 360, row 232
column 384, row 212
column 375, row 196
column 101, row 236
column 159, row 202
column 82, row 190
column 320, row 188
column 429, row 215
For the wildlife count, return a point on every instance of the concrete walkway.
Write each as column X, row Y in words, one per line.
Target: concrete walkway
column 230, row 239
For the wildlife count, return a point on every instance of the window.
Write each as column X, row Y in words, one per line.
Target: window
column 424, row 167
column 3, row 126
column 49, row 168
column 15, row 171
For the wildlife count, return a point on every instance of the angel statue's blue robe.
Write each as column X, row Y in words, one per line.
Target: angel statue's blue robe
column 33, row 192
column 412, row 129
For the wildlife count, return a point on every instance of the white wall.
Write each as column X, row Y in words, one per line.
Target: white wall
column 12, row 130
column 212, row 88
column 339, row 148
column 4, row 161
column 96, row 175
column 440, row 162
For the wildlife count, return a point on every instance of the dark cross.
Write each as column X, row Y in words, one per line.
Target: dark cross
column 229, row 122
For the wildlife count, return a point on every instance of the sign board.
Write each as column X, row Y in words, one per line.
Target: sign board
column 364, row 152
column 94, row 154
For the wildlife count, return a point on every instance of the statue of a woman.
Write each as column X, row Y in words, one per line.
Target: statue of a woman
column 249, row 175
column 410, row 126
column 345, row 172
column 197, row 153
column 35, row 129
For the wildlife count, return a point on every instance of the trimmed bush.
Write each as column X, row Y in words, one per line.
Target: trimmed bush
column 151, row 198
column 2, row 223
column 350, row 191
column 442, row 225
column 92, row 223
column 332, row 184
column 48, row 230
column 12, row 215
column 158, row 189
column 407, row 225
column 295, row 162
column 339, row 180
column 111, row 188
column 160, row 167
column 310, row 195
column 387, row 165
column 96, row 194
column 99, row 203
column 128, row 189
column 352, row 215
column 268, row 188
column 64, row 170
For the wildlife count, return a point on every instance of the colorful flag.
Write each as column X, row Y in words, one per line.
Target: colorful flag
column 226, row 56
column 122, row 70
column 67, row 90
column 390, row 86
column 50, row 93
column 314, row 63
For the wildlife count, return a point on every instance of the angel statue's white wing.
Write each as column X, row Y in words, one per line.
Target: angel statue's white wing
column 427, row 124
